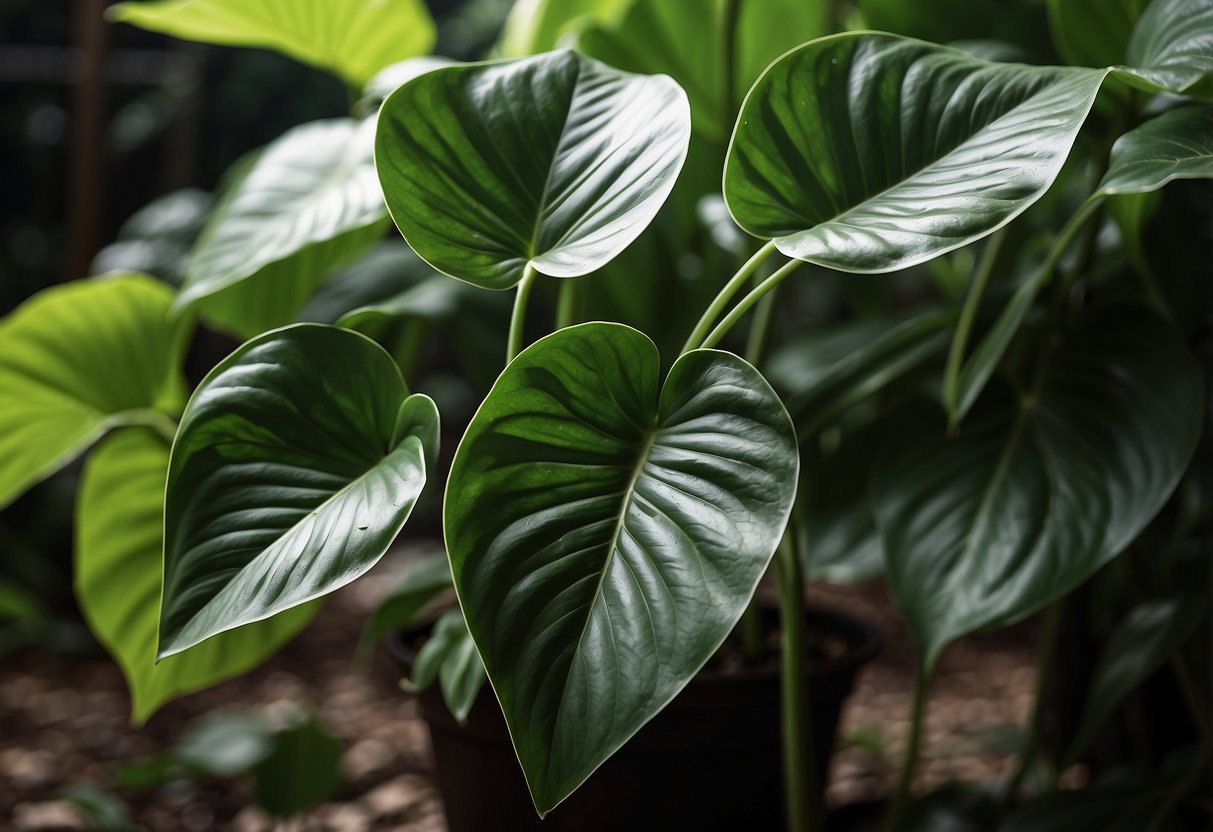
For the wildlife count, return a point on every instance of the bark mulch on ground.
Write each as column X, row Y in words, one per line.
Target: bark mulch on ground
column 63, row 722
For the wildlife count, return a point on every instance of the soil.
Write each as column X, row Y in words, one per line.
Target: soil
column 63, row 722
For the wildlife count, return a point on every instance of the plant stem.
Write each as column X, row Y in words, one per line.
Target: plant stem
column 895, row 819
column 728, row 58
column 148, row 417
column 799, row 779
column 571, row 302
column 726, row 294
column 518, row 316
column 1049, row 636
column 964, row 325
column 756, row 294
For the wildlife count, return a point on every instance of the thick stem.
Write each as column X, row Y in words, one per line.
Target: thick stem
column 1049, row 635
column 799, row 779
column 895, row 819
column 964, row 325
column 518, row 316
column 571, row 302
column 743, row 306
column 726, row 294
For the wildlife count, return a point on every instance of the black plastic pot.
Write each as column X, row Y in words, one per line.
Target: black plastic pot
column 709, row 761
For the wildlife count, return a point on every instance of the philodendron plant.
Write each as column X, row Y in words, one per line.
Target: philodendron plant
column 610, row 509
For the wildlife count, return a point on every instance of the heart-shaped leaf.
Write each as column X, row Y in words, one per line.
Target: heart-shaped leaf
column 556, row 162
column 606, row 533
column 870, row 153
column 78, row 359
column 353, row 39
column 1176, row 145
column 1033, row 497
column 1172, row 45
column 118, row 560
column 303, row 206
column 298, row 460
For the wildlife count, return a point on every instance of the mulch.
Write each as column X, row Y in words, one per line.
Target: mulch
column 63, row 722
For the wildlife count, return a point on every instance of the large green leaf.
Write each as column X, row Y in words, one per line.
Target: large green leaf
column 1034, row 496
column 1172, row 44
column 605, row 534
column 1093, row 32
column 78, row 359
column 869, row 153
column 539, row 25
column 686, row 40
column 353, row 39
column 305, row 205
column 298, row 460
column 119, row 522
column 1176, row 145
column 557, row 162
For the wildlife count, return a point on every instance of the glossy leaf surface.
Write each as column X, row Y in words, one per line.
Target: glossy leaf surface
column 353, row 39
column 1172, row 45
column 118, row 561
column 556, row 161
column 870, row 153
column 1176, row 145
column 78, row 359
column 297, row 461
column 305, row 205
column 605, row 534
column 1033, row 497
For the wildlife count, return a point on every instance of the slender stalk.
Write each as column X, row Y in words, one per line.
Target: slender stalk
column 743, row 306
column 760, row 330
column 1049, row 636
column 518, row 316
column 895, row 819
column 162, row 423
column 571, row 302
column 410, row 344
column 799, row 779
column 726, row 294
column 750, row 631
column 964, row 325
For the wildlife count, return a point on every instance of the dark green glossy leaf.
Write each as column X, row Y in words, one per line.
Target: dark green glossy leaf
column 77, row 360
column 387, row 270
column 1093, row 32
column 1176, row 145
column 1033, row 497
column 298, row 460
column 1139, row 645
column 870, row 153
column 685, row 40
column 556, row 162
column 353, row 39
column 305, row 205
column 118, row 564
column 302, row 771
column 391, row 78
column 1172, row 45
column 420, row 585
column 606, row 533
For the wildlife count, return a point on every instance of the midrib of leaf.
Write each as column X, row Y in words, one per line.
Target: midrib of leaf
column 629, row 490
column 339, row 493
column 547, row 181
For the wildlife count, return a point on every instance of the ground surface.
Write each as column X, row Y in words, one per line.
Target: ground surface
column 63, row 722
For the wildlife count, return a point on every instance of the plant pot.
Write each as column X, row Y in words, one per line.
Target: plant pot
column 709, row 761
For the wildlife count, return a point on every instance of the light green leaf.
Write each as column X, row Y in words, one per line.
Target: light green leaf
column 1139, row 645
column 556, row 162
column 77, row 360
column 539, row 25
column 870, row 153
column 1176, row 145
column 305, row 205
column 297, row 462
column 118, row 561
column 1033, row 497
column 352, row 39
column 606, row 533
column 685, row 39
column 1172, row 45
